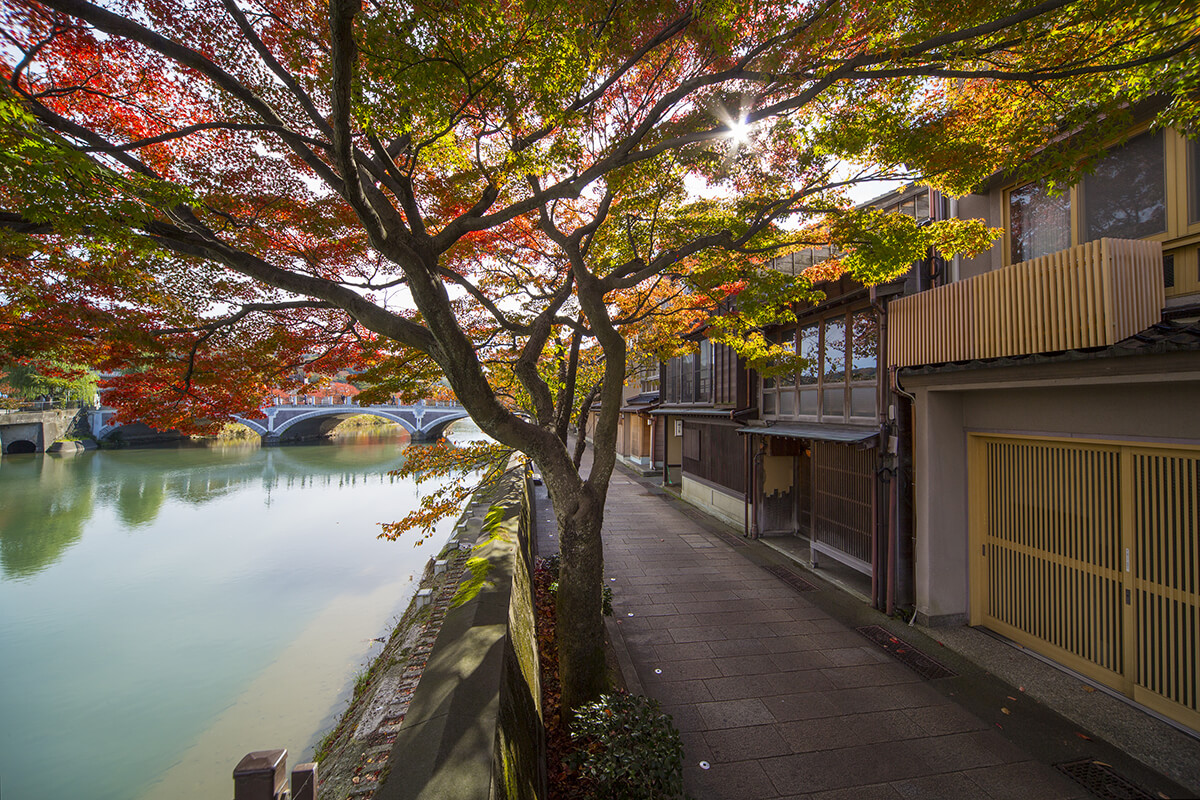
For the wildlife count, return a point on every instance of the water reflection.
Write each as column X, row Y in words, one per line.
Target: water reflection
column 37, row 525
column 48, row 501
column 161, row 609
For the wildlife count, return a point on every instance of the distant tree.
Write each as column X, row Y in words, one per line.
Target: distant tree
column 51, row 380
column 212, row 193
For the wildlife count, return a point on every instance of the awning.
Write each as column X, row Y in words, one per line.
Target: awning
column 813, row 430
column 685, row 411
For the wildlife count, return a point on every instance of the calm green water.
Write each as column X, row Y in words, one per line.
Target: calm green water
column 163, row 612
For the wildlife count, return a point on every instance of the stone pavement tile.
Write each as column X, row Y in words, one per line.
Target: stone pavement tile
column 806, row 611
column 674, row 692
column 740, row 687
column 684, row 671
column 733, row 666
column 748, row 630
column 876, row 791
column 843, row 768
column 682, row 651
column 943, row 719
column 740, row 780
column 719, row 606
column 795, row 627
column 946, row 786
column 836, row 640
column 810, row 705
column 745, row 744
column 829, row 733
column 830, row 625
column 696, row 634
column 855, row 656
column 754, row 618
column 870, row 675
column 1026, row 780
column 963, row 751
column 715, row 594
column 882, row 698
column 677, row 621
column 800, row 660
column 786, row 643
column 684, row 716
column 809, row 680
column 735, row 714
column 723, row 647
column 649, row 609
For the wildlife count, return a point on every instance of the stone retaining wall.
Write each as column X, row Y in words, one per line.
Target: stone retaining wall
column 452, row 706
column 474, row 728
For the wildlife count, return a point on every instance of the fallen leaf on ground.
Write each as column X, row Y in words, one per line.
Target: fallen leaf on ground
column 1005, row 711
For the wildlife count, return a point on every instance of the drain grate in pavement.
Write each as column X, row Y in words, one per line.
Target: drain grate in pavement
column 1099, row 779
column 790, row 578
column 905, row 653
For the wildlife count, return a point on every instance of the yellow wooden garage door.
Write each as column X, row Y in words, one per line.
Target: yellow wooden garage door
column 1089, row 552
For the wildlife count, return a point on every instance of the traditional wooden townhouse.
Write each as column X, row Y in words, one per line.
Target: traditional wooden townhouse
column 825, row 485
column 1054, row 389
column 705, row 396
column 639, row 442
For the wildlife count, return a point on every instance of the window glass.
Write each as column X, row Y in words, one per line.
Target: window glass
column 787, row 403
column 808, row 403
column 835, row 350
column 769, row 403
column 864, row 347
column 1193, row 168
column 704, row 375
column 788, row 342
column 1126, row 197
column 862, row 401
column 686, row 374
column 922, row 206
column 1039, row 224
column 808, row 347
column 833, row 403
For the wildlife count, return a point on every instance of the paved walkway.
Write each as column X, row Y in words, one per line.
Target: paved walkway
column 774, row 696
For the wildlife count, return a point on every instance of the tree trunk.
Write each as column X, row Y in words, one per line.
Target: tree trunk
column 580, row 624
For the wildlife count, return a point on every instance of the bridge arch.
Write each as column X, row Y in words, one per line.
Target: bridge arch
column 321, row 421
column 437, row 429
column 20, row 447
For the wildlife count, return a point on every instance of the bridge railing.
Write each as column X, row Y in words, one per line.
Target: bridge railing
column 302, row 400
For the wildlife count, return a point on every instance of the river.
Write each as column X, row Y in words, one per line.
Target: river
column 165, row 611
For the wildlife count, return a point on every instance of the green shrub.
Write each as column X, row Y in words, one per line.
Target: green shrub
column 628, row 749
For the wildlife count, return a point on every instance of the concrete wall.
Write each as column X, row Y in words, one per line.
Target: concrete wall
column 729, row 508
column 474, row 728
column 39, row 427
column 1138, row 399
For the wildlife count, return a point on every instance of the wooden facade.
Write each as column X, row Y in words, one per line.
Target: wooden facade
column 1091, row 295
column 1089, row 552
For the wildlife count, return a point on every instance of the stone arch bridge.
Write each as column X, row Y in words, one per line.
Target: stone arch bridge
column 425, row 422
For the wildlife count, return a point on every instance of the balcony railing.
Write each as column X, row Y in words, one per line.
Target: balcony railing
column 1092, row 295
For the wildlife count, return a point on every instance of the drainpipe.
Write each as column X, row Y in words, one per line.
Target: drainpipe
column 886, row 475
column 894, row 374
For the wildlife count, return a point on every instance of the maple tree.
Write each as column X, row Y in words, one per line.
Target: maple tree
column 212, row 193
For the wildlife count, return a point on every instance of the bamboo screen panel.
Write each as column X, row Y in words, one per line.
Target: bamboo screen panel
column 844, row 483
column 1166, row 580
column 1090, row 554
column 1053, row 550
column 1091, row 295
